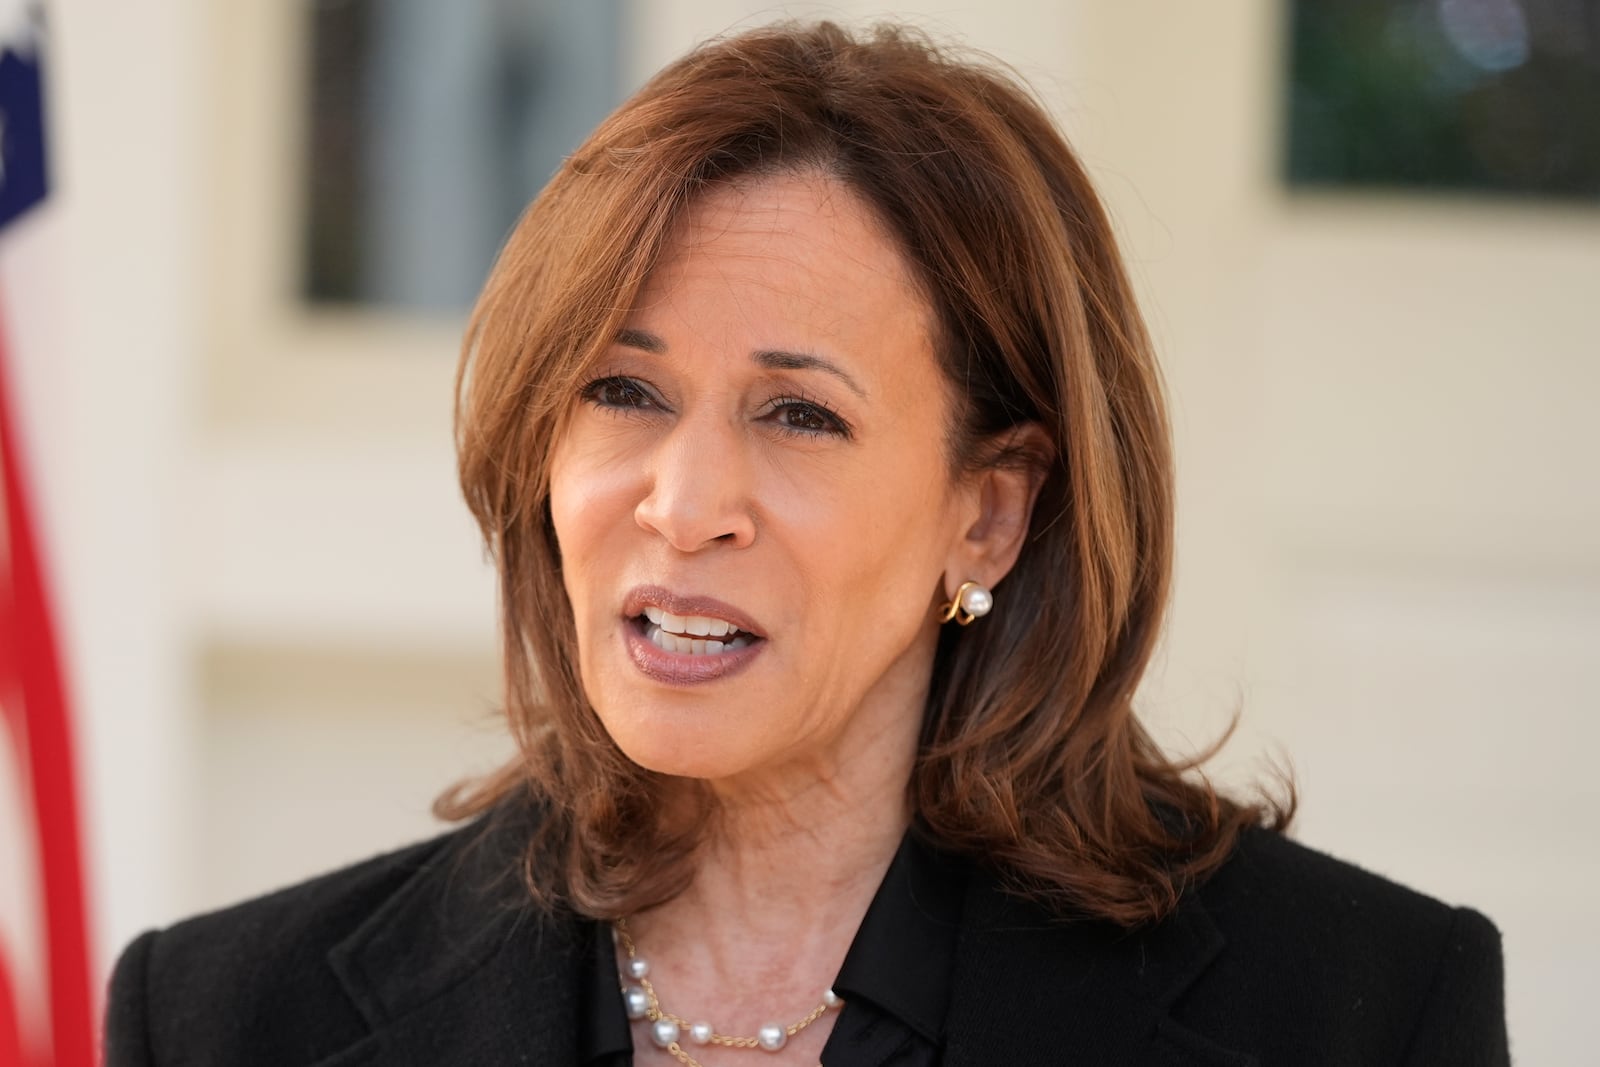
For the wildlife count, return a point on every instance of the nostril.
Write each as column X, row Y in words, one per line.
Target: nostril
column 691, row 521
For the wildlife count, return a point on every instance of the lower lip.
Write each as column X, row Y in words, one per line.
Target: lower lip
column 676, row 668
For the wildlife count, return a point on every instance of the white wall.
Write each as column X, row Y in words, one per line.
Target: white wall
column 108, row 333
column 1388, row 529
column 1390, row 534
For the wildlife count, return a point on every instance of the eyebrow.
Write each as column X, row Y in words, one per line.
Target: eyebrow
column 643, row 340
column 771, row 358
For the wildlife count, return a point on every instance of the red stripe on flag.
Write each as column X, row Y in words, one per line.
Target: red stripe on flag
column 10, row 1029
column 49, row 756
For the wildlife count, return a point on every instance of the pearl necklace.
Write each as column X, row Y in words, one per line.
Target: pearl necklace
column 667, row 1029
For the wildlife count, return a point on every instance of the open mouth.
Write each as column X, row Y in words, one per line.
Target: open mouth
column 691, row 635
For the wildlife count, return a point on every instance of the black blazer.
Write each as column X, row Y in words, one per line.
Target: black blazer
column 428, row 957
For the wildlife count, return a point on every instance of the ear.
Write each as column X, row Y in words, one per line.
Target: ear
column 1000, row 500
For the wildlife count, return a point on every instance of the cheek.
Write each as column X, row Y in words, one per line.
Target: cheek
column 880, row 530
column 597, row 469
column 588, row 501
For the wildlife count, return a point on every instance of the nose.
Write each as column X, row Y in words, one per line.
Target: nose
column 699, row 491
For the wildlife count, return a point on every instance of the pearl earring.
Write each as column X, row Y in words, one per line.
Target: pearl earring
column 971, row 601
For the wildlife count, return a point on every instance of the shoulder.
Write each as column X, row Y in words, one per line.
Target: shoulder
column 1274, row 891
column 304, row 918
column 228, row 979
column 1342, row 951
column 1284, row 955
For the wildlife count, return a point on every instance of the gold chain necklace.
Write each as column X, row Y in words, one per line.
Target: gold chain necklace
column 668, row 1029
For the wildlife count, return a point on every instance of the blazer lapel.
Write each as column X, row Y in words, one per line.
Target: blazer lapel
column 459, row 969
column 1029, row 989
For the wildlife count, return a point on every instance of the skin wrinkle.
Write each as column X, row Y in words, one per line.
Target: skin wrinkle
column 836, row 545
column 772, row 358
column 1040, row 692
column 795, row 473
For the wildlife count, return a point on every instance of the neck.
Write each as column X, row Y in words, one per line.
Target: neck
column 792, row 860
column 786, row 861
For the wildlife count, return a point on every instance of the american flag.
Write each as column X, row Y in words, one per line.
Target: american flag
column 46, row 1012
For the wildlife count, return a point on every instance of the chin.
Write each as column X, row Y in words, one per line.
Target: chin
column 684, row 742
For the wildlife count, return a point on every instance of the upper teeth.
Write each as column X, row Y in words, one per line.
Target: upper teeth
column 698, row 625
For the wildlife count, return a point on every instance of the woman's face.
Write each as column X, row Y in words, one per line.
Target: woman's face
column 752, row 498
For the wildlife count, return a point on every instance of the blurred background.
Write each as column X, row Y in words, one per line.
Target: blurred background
column 1367, row 236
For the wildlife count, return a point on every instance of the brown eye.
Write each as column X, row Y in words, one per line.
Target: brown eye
column 797, row 416
column 617, row 393
column 807, row 417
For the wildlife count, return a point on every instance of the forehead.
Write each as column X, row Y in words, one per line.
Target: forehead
column 790, row 250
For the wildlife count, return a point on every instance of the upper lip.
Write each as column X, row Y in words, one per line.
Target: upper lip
column 644, row 596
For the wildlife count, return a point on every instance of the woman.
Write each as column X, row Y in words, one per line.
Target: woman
column 820, row 447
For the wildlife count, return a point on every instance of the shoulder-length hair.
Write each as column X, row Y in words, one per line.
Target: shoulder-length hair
column 1031, row 758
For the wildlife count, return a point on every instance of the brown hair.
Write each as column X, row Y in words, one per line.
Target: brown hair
column 1031, row 758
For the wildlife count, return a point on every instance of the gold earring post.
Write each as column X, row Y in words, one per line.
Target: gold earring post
column 954, row 610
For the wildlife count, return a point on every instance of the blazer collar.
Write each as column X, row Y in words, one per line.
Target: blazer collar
column 459, row 968
column 1032, row 989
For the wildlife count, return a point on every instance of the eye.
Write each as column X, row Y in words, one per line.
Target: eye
column 618, row 392
column 795, row 415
